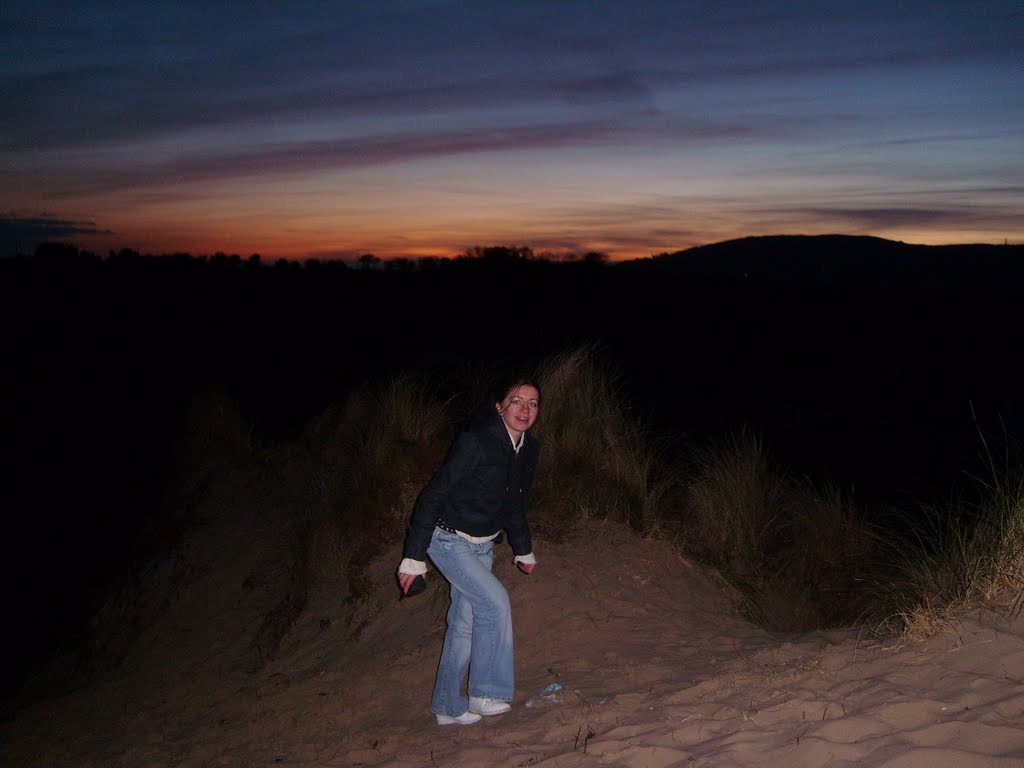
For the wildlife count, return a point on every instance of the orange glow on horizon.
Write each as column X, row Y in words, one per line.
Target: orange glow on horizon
column 272, row 246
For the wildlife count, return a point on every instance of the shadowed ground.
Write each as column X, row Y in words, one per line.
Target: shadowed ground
column 657, row 670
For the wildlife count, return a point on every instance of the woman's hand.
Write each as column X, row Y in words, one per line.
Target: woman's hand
column 526, row 568
column 405, row 581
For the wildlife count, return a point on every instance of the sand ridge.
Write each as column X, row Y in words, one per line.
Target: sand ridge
column 657, row 670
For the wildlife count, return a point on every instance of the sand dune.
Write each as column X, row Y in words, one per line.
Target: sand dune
column 656, row 667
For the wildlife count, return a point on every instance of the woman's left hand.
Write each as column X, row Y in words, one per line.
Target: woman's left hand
column 405, row 581
column 526, row 568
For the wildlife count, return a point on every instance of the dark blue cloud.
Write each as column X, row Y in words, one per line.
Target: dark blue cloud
column 286, row 157
column 863, row 218
column 21, row 234
column 919, row 217
column 110, row 72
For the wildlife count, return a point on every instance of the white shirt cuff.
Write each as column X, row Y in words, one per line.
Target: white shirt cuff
column 525, row 559
column 413, row 567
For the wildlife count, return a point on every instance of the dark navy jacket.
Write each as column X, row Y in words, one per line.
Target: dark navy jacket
column 480, row 489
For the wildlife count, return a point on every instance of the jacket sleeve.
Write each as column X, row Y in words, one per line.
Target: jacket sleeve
column 519, row 536
column 462, row 458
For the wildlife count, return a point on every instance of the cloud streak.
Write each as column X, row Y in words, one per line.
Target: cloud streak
column 127, row 109
column 21, row 234
column 274, row 159
column 912, row 217
column 129, row 76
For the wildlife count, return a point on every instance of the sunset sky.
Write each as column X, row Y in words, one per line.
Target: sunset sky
column 423, row 127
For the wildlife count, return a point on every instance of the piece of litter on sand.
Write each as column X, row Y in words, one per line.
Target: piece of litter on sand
column 547, row 693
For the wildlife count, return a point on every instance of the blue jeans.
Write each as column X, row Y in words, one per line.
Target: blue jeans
column 479, row 635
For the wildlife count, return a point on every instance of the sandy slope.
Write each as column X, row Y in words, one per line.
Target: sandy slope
column 657, row 671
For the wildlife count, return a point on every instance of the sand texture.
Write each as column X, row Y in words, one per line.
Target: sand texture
column 657, row 670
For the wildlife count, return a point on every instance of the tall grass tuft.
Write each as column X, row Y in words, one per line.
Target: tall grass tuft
column 795, row 552
column 735, row 505
column 359, row 468
column 596, row 461
column 966, row 555
column 361, row 465
column 355, row 473
column 825, row 554
column 1003, row 505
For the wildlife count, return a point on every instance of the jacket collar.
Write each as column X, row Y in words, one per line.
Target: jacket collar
column 487, row 419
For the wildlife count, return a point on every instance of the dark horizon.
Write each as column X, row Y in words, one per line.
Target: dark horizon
column 51, row 244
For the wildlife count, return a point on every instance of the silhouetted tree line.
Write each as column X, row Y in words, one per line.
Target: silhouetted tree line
column 835, row 343
column 67, row 254
column 773, row 331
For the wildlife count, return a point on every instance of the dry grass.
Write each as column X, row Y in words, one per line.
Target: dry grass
column 800, row 554
column 735, row 505
column 796, row 553
column 964, row 556
column 355, row 473
column 358, row 469
column 596, row 460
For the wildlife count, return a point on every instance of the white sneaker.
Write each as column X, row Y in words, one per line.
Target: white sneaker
column 488, row 707
column 466, row 718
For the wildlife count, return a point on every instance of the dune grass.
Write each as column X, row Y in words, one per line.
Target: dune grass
column 802, row 556
column 964, row 555
column 355, row 473
column 361, row 465
column 735, row 505
column 366, row 461
column 796, row 552
column 799, row 553
column 597, row 462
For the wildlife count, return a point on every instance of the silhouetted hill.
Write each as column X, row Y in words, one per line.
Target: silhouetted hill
column 855, row 262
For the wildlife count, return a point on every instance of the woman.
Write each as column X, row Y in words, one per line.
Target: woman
column 477, row 493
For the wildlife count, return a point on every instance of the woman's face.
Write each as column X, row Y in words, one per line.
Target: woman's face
column 519, row 409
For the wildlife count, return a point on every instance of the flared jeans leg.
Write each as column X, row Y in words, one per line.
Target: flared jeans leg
column 479, row 634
